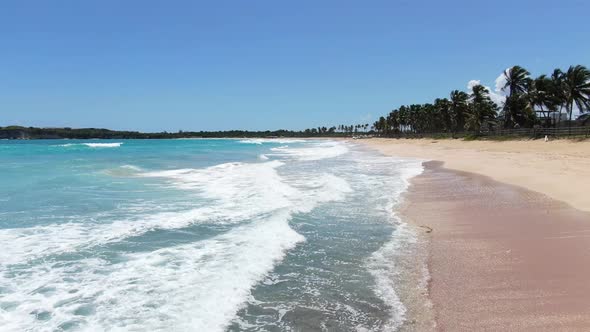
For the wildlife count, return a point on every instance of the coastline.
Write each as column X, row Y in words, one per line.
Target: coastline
column 559, row 169
column 500, row 256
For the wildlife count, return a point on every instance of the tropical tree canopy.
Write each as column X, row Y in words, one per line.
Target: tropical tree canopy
column 576, row 88
column 529, row 102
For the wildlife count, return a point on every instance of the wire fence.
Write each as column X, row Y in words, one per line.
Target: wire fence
column 582, row 132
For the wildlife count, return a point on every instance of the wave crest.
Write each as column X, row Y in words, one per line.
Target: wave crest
column 271, row 140
column 316, row 151
column 92, row 145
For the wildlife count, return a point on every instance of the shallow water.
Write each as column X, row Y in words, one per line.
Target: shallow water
column 202, row 235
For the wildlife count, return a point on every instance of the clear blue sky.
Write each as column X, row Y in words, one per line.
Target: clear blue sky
column 192, row 65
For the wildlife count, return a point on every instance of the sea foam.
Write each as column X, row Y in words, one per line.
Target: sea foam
column 92, row 145
column 66, row 276
column 212, row 277
column 382, row 263
column 271, row 140
column 197, row 286
column 314, row 151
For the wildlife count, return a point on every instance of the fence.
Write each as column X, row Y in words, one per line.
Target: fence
column 521, row 132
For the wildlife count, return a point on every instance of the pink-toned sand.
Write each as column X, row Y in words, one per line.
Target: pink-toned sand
column 559, row 169
column 503, row 257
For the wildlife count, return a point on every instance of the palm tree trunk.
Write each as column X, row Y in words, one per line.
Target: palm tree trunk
column 558, row 122
column 571, row 110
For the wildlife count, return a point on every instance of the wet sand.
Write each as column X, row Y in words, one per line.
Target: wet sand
column 501, row 258
column 559, row 169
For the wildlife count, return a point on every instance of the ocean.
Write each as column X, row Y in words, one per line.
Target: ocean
column 202, row 235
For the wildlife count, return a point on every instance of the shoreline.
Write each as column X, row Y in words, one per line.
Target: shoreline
column 500, row 255
column 559, row 169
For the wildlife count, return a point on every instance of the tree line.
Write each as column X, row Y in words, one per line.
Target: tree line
column 18, row 132
column 542, row 101
column 340, row 130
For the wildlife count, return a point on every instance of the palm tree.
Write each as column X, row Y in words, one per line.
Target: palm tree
column 538, row 92
column 403, row 116
column 576, row 83
column 542, row 95
column 481, row 109
column 443, row 106
column 546, row 95
column 392, row 121
column 517, row 80
column 381, row 125
column 416, row 120
column 558, row 91
column 458, row 108
column 517, row 83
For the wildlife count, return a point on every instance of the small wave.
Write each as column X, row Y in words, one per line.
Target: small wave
column 103, row 145
column 262, row 157
column 92, row 145
column 316, row 151
column 240, row 191
column 178, row 280
column 132, row 167
column 271, row 140
column 382, row 263
column 124, row 170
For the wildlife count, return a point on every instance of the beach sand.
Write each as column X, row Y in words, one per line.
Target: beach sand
column 559, row 169
column 509, row 255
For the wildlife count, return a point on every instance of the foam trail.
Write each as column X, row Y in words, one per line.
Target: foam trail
column 92, row 145
column 198, row 286
column 240, row 190
column 316, row 151
column 103, row 145
column 381, row 264
column 67, row 276
column 271, row 140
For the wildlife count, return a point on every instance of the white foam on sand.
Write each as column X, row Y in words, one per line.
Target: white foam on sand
column 381, row 263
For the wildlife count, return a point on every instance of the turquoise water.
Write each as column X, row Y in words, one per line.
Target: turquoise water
column 199, row 235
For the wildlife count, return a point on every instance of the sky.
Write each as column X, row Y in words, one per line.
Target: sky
column 256, row 65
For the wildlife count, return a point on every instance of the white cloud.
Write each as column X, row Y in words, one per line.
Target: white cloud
column 500, row 82
column 472, row 83
column 496, row 96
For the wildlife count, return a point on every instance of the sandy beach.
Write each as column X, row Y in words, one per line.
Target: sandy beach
column 509, row 248
column 559, row 169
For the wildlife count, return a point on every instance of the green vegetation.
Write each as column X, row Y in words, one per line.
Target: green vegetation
column 542, row 102
column 16, row 132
